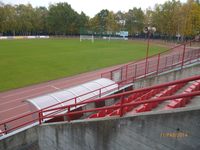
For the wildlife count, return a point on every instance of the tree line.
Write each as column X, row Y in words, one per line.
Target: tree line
column 172, row 18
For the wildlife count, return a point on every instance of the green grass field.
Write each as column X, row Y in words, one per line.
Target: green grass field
column 26, row 62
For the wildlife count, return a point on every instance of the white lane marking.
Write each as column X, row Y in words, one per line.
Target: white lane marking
column 55, row 87
column 25, row 97
column 24, row 91
column 13, row 108
column 15, row 116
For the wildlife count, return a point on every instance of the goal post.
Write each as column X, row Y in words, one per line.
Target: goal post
column 87, row 37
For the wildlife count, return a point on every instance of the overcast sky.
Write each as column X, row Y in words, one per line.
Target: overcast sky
column 92, row 7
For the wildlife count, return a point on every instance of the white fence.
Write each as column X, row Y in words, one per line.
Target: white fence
column 24, row 37
column 114, row 38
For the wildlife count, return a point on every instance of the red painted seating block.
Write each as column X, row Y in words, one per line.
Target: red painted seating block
column 93, row 116
column 154, row 104
column 148, row 106
column 181, row 101
column 115, row 113
column 140, row 109
column 174, row 104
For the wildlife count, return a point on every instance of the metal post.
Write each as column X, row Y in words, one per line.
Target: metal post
column 121, row 106
column 158, row 63
column 5, row 128
column 126, row 72
column 165, row 62
column 99, row 92
column 75, row 100
column 172, row 60
column 148, row 64
column 147, row 53
column 135, row 71
column 121, row 73
column 183, row 57
column 198, row 55
column 68, row 117
column 111, row 75
column 39, row 117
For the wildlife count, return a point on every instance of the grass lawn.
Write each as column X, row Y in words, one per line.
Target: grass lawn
column 26, row 62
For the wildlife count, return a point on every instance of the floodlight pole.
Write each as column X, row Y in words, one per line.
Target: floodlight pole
column 147, row 52
column 148, row 30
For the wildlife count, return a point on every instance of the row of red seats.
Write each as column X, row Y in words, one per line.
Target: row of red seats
column 146, row 96
column 105, row 112
column 132, row 98
column 156, row 93
column 181, row 102
column 169, row 91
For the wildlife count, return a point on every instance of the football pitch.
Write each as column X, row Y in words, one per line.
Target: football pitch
column 27, row 62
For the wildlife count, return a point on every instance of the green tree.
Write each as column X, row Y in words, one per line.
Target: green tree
column 2, row 19
column 195, row 13
column 170, row 19
column 40, row 20
column 148, row 17
column 111, row 25
column 166, row 17
column 25, row 19
column 120, row 20
column 62, row 19
column 83, row 23
column 104, row 22
column 191, row 24
column 9, row 19
column 135, row 20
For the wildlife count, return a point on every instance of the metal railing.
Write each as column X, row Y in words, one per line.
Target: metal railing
column 156, row 64
column 120, row 96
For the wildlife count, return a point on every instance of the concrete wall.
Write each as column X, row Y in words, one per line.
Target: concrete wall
column 144, row 132
column 25, row 140
column 173, row 75
column 147, row 131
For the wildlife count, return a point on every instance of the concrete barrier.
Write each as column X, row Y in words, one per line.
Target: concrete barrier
column 168, row 130
column 24, row 140
column 176, row 74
